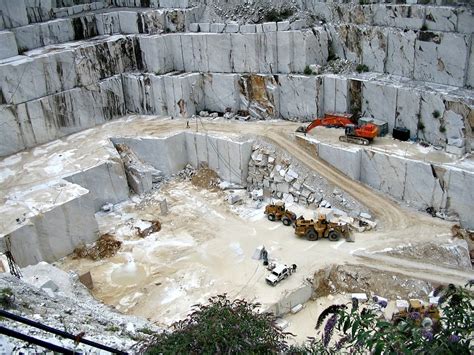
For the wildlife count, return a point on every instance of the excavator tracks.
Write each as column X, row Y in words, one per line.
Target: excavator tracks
column 355, row 140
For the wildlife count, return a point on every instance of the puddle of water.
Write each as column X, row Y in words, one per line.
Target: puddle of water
column 128, row 274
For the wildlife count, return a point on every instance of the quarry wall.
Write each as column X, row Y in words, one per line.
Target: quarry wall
column 69, row 65
column 51, row 230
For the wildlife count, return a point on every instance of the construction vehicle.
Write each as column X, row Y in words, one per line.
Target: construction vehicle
column 279, row 272
column 359, row 135
column 363, row 134
column 416, row 310
column 322, row 228
column 277, row 211
column 330, row 120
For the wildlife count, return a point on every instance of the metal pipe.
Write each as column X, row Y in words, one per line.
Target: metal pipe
column 29, row 339
column 26, row 321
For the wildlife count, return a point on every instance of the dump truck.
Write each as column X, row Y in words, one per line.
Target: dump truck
column 277, row 211
column 322, row 228
column 279, row 272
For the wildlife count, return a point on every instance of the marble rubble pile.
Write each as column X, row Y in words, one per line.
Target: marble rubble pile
column 272, row 175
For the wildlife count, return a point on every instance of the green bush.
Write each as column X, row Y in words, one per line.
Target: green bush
column 7, row 298
column 307, row 70
column 442, row 128
column 275, row 15
column 436, row 114
column 421, row 126
column 222, row 326
column 362, row 68
column 225, row 326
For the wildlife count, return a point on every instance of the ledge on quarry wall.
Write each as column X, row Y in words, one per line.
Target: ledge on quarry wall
column 56, row 218
column 229, row 158
column 398, row 102
column 444, row 187
column 62, row 218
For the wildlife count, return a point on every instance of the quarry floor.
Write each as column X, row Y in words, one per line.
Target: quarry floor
column 205, row 245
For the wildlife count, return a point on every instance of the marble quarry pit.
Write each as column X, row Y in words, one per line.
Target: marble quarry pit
column 110, row 107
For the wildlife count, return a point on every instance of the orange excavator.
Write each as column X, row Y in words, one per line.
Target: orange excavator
column 353, row 134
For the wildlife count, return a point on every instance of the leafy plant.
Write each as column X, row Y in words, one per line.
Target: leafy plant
column 222, row 326
column 367, row 331
column 146, row 331
column 112, row 328
column 424, row 27
column 275, row 15
column 442, row 128
column 7, row 298
column 436, row 114
column 421, row 126
column 307, row 70
column 362, row 68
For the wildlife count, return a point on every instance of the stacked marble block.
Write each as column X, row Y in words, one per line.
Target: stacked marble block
column 234, row 27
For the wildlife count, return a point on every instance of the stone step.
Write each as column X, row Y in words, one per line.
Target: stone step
column 24, row 12
column 50, row 117
column 438, row 114
column 55, row 69
column 420, row 55
column 234, row 27
column 8, row 47
column 103, row 22
column 406, row 17
column 453, row 3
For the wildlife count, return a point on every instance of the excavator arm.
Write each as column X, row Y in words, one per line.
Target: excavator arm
column 315, row 123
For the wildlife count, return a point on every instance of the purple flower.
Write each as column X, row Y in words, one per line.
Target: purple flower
column 382, row 303
column 453, row 338
column 427, row 334
column 415, row 315
column 328, row 329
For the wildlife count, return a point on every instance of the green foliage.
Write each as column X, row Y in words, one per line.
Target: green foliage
column 421, row 126
column 442, row 128
column 112, row 328
column 146, row 331
column 331, row 54
column 7, row 298
column 367, row 331
column 362, row 68
column 436, row 114
column 222, row 326
column 307, row 70
column 424, row 27
column 275, row 15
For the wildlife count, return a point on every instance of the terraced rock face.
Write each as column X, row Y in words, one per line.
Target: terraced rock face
column 70, row 65
column 75, row 70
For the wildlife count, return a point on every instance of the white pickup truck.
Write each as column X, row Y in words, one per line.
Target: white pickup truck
column 279, row 272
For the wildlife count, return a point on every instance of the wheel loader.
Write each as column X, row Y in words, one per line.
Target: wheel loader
column 322, row 228
column 277, row 211
column 424, row 313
